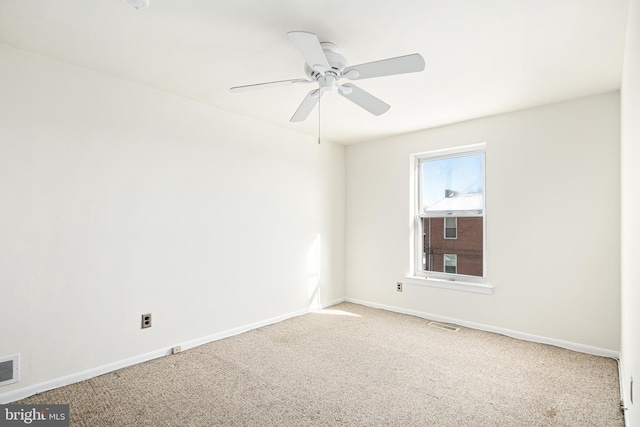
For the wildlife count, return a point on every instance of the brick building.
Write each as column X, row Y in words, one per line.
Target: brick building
column 453, row 243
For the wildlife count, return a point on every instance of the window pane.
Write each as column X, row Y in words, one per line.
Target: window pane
column 450, row 233
column 450, row 263
column 450, row 260
column 450, row 222
column 454, row 184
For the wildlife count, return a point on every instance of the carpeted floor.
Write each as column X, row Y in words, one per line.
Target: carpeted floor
column 352, row 365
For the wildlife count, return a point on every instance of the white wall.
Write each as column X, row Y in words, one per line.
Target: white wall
column 553, row 206
column 117, row 200
column 630, row 155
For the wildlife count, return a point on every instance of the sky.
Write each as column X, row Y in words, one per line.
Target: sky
column 461, row 174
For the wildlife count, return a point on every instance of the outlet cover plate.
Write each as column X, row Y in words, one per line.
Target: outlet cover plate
column 146, row 320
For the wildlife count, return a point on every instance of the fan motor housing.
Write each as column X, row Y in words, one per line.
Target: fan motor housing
column 337, row 62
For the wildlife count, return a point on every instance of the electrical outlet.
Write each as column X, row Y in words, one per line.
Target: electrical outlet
column 146, row 320
column 176, row 349
column 399, row 286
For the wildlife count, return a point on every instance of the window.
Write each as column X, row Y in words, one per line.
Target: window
column 450, row 263
column 449, row 237
column 451, row 228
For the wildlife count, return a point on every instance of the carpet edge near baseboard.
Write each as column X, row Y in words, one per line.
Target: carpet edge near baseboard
column 30, row 390
column 569, row 345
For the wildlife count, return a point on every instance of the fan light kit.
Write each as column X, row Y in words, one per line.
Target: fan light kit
column 325, row 66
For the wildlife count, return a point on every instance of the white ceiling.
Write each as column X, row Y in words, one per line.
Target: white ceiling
column 482, row 57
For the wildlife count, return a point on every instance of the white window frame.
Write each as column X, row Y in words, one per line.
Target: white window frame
column 455, row 218
column 452, row 281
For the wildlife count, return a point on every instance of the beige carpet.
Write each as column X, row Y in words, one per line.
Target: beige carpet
column 354, row 366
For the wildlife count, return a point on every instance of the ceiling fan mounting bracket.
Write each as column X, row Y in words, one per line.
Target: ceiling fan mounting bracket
column 336, row 61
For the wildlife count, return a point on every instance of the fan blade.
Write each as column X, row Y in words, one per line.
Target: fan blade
column 307, row 105
column 309, row 46
column 364, row 99
column 386, row 67
column 266, row 85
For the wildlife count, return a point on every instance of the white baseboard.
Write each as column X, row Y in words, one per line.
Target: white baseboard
column 239, row 330
column 22, row 393
column 332, row 303
column 597, row 351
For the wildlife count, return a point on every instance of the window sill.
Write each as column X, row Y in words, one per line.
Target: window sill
column 477, row 288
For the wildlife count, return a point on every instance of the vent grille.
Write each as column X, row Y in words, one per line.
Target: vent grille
column 444, row 326
column 9, row 370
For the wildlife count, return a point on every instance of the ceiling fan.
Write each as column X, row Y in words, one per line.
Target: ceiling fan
column 325, row 66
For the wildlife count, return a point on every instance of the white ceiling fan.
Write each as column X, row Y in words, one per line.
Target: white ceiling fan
column 324, row 65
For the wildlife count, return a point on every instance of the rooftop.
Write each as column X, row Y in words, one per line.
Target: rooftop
column 456, row 203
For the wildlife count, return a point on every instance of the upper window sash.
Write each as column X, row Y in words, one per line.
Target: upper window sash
column 477, row 207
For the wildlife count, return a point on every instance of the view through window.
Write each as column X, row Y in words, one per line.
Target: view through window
column 451, row 217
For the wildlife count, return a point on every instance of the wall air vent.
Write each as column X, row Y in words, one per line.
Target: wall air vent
column 444, row 326
column 9, row 370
